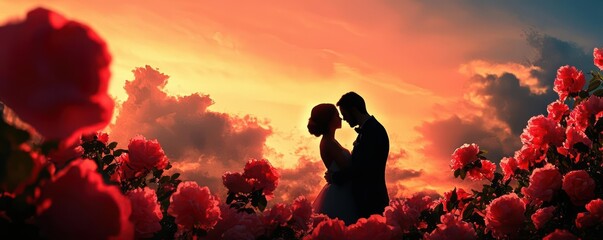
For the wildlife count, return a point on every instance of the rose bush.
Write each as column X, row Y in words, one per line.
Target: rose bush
column 551, row 188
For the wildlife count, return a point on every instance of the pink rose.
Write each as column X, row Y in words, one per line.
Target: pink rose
column 22, row 168
column 245, row 224
column 579, row 186
column 327, row 230
column 461, row 195
column 569, row 80
column 451, row 228
column 542, row 216
column 556, row 110
column 508, row 166
column 100, row 136
column 279, row 214
column 544, row 184
column 401, row 215
column 574, row 136
column 484, row 172
column 594, row 215
column 375, row 227
column 60, row 70
column 146, row 213
column 527, row 156
column 542, row 132
column 194, row 207
column 560, row 234
column 464, row 155
column 317, row 218
column 146, row 154
column 598, row 57
column 236, row 183
column 505, row 215
column 419, row 201
column 76, row 204
column 262, row 175
column 579, row 117
column 143, row 155
column 302, row 213
column 64, row 154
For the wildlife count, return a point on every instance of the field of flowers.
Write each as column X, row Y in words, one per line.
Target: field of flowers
column 60, row 178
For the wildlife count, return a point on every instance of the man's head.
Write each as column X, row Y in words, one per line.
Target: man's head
column 352, row 108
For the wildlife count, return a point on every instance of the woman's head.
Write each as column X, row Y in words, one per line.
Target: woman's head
column 323, row 118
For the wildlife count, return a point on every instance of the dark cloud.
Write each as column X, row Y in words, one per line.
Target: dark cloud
column 184, row 123
column 200, row 143
column 445, row 135
column 305, row 179
column 505, row 101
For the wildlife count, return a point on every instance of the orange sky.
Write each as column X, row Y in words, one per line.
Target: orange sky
column 277, row 59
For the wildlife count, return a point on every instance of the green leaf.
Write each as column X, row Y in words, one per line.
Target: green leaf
column 108, row 159
column 230, row 198
column 111, row 169
column 583, row 94
column 112, row 145
column 593, row 85
column 175, row 176
column 468, row 211
column 463, row 174
column 119, row 152
column 164, row 179
column 262, row 203
column 19, row 167
column 457, row 173
column 598, row 93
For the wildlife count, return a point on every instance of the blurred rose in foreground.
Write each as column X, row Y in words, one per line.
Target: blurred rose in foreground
column 77, row 204
column 54, row 74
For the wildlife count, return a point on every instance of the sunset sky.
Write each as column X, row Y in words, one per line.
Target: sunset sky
column 437, row 74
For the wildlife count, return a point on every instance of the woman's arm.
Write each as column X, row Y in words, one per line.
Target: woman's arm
column 334, row 152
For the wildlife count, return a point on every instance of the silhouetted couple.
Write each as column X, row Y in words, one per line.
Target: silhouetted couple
column 355, row 181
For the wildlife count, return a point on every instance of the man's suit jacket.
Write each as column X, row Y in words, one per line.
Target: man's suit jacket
column 367, row 168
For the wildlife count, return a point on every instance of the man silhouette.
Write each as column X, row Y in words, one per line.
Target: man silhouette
column 369, row 156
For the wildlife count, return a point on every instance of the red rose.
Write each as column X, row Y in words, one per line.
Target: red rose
column 64, row 154
column 60, row 70
column 574, row 136
column 594, row 215
column 302, row 213
column 542, row 216
column 579, row 186
column 541, row 132
column 560, row 234
column 375, row 227
column 461, row 195
column 143, row 155
column 527, row 156
column 505, row 215
column 451, row 228
column 76, row 204
column 194, row 207
column 236, row 183
column 598, row 57
column 486, row 171
column 464, row 155
column 262, row 175
column 508, row 166
column 327, row 230
column 556, row 110
column 544, row 184
column 146, row 212
column 569, row 80
column 234, row 224
column 279, row 214
column 401, row 215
